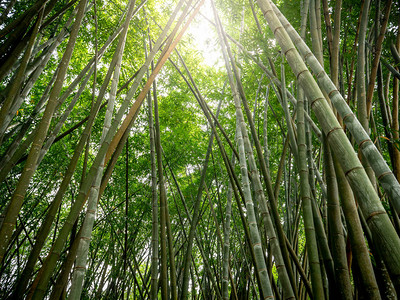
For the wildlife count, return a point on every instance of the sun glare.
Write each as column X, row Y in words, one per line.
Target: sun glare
column 205, row 37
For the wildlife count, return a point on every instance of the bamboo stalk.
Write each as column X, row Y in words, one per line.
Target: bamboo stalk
column 30, row 165
column 377, row 162
column 380, row 225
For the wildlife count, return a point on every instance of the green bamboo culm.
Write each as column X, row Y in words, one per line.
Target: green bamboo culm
column 43, row 276
column 371, row 153
column 260, row 266
column 16, row 201
column 289, row 288
column 383, row 232
column 336, row 233
column 87, row 226
column 311, row 240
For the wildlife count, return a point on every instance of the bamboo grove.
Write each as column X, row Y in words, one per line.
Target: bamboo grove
column 135, row 165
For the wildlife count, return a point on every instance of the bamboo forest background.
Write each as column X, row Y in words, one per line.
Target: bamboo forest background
column 199, row 149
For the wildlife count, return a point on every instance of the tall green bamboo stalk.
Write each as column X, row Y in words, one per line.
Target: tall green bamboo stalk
column 264, row 171
column 163, row 204
column 377, row 162
column 30, row 165
column 226, row 246
column 355, row 234
column 19, row 77
column 362, row 113
column 384, row 235
column 87, row 226
column 49, row 264
column 154, row 198
column 338, row 245
column 288, row 286
column 311, row 242
column 253, row 228
column 47, row 223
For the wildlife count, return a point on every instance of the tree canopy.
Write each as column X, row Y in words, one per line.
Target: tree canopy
column 199, row 149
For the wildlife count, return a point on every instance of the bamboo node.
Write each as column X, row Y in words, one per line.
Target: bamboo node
column 350, row 114
column 364, row 141
column 301, row 72
column 279, row 27
column 382, row 212
column 267, row 11
column 332, row 130
column 384, row 174
column 307, row 55
column 352, row 169
column 331, row 93
column 291, row 48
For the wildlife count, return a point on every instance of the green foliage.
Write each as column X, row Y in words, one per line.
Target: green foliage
column 120, row 245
